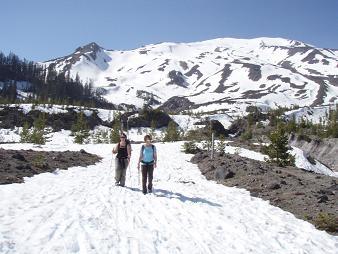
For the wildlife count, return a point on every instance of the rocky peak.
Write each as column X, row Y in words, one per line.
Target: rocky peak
column 90, row 47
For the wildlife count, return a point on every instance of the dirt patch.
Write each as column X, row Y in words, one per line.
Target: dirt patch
column 17, row 164
column 303, row 193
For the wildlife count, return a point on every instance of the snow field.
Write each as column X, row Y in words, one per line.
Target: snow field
column 81, row 211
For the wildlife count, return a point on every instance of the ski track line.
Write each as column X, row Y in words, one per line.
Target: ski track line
column 81, row 211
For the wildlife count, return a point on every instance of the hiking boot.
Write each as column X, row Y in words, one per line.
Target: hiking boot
column 144, row 192
column 150, row 190
column 117, row 184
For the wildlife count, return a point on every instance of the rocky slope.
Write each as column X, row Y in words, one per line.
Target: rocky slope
column 303, row 193
column 325, row 150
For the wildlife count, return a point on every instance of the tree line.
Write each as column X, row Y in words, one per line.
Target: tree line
column 44, row 85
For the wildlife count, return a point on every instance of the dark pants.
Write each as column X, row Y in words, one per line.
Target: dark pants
column 147, row 172
column 120, row 171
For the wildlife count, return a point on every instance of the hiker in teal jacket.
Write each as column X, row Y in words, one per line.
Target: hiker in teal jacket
column 148, row 159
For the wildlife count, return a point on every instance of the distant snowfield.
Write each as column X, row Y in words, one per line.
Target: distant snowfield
column 247, row 71
column 80, row 211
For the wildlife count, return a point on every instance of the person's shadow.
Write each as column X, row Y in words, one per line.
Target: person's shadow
column 132, row 188
column 182, row 198
column 179, row 196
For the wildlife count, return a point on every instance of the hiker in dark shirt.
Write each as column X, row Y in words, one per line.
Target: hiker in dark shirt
column 122, row 160
column 148, row 159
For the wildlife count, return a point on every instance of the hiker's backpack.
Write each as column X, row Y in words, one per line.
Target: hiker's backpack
column 152, row 146
column 125, row 155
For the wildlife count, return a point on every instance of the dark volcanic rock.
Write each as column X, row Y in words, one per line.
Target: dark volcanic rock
column 274, row 186
column 17, row 164
column 222, row 173
column 149, row 98
column 176, row 104
column 177, row 78
column 145, row 118
column 194, row 71
column 13, row 116
column 19, row 157
column 323, row 198
column 216, row 127
column 289, row 188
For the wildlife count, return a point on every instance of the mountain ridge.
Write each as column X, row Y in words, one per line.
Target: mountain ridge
column 212, row 74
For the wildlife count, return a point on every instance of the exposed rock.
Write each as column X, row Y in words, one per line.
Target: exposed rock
column 323, row 198
column 176, row 104
column 17, row 164
column 149, row 98
column 297, row 190
column 177, row 78
column 19, row 157
column 274, row 186
column 144, row 119
column 324, row 150
column 194, row 71
column 13, row 116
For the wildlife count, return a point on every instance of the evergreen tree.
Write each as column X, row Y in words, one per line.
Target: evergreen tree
column 37, row 135
column 291, row 126
column 172, row 134
column 25, row 134
column 115, row 132
column 80, row 129
column 278, row 149
column 153, row 129
column 333, row 123
column 221, row 145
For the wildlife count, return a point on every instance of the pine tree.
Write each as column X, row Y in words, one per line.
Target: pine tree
column 221, row 145
column 332, row 123
column 153, row 129
column 98, row 137
column 80, row 129
column 37, row 135
column 278, row 149
column 172, row 134
column 25, row 134
column 291, row 126
column 115, row 132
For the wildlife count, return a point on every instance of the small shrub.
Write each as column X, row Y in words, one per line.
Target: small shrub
column 190, row 147
column 327, row 221
column 39, row 161
column 247, row 135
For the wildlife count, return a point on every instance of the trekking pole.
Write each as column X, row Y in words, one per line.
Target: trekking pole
column 138, row 177
column 129, row 174
column 111, row 163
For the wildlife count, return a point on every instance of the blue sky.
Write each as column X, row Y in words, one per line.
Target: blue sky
column 44, row 29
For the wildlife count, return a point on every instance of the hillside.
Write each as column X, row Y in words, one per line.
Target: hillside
column 225, row 73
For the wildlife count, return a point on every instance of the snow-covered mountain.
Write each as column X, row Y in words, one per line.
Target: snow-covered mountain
column 225, row 74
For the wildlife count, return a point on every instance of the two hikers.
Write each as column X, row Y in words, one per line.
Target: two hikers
column 122, row 160
column 148, row 159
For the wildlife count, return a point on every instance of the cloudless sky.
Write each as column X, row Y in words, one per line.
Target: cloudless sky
column 44, row 29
